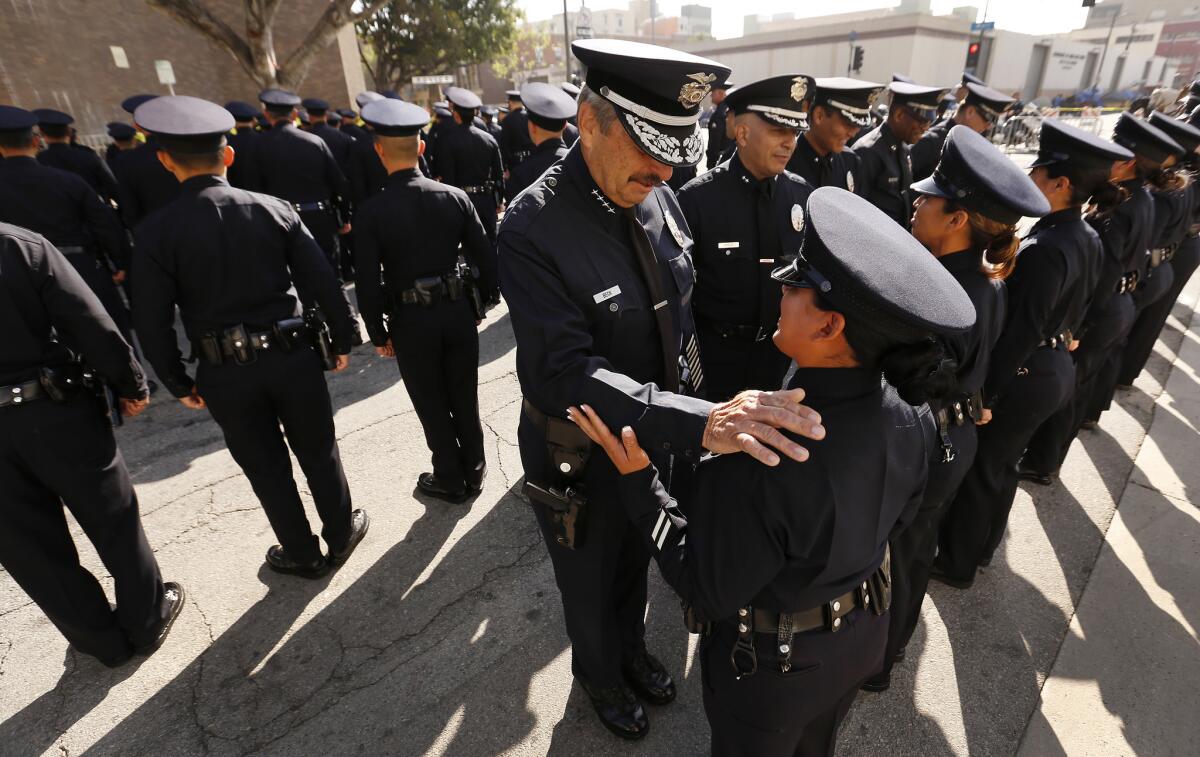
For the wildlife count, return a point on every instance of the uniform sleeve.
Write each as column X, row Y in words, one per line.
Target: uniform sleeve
column 925, row 154
column 445, row 164
column 75, row 310
column 337, row 180
column 368, row 279
column 689, row 205
column 868, row 169
column 108, row 183
column 313, row 274
column 1033, row 292
column 932, row 454
column 131, row 207
column 103, row 226
column 154, row 300
column 477, row 249
column 1116, row 236
column 559, row 368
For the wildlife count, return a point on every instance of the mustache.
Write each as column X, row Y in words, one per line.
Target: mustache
column 646, row 178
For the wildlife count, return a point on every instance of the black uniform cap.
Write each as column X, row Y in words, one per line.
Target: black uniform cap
column 132, row 103
column 346, row 113
column 395, row 118
column 656, row 91
column 489, row 110
column 1194, row 89
column 547, row 105
column 989, row 101
column 726, row 84
column 304, row 117
column 513, row 95
column 922, row 101
column 51, row 117
column 120, row 130
column 1059, row 142
column 869, row 268
column 853, row 98
column 980, row 178
column 896, row 76
column 463, row 98
column 781, row 100
column 391, row 94
column 13, row 118
column 362, row 98
column 1141, row 138
column 278, row 99
column 315, row 105
column 969, row 78
column 262, row 121
column 571, row 89
column 1186, row 134
column 441, row 111
column 185, row 124
column 240, row 110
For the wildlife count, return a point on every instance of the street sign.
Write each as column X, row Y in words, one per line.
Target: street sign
column 985, row 26
column 443, row 79
column 166, row 74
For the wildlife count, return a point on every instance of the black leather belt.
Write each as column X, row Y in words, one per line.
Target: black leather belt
column 959, row 412
column 480, row 189
column 312, row 207
column 433, row 288
column 1056, row 341
column 744, row 332
column 1128, row 282
column 828, row 616
column 71, row 249
column 1161, row 255
column 18, row 394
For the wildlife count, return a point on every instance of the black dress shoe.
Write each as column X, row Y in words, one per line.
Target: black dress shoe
column 280, row 562
column 619, row 710
column 940, row 575
column 475, row 479
column 433, row 486
column 1036, row 477
column 900, row 655
column 649, row 679
column 173, row 598
column 878, row 682
column 359, row 523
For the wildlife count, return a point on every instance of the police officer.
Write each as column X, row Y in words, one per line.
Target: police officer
column 788, row 567
column 548, row 109
column 1183, row 261
column 123, row 138
column 299, row 168
column 571, row 132
column 979, row 107
column 746, row 217
column 884, row 163
column 339, row 143
column 63, row 208
column 840, row 108
column 490, row 125
column 57, row 448
column 514, row 141
column 55, row 127
column 228, row 259
column 349, row 123
column 242, row 139
column 966, row 215
column 469, row 158
column 1031, row 373
column 720, row 142
column 1124, row 217
column 430, row 322
column 145, row 185
column 595, row 268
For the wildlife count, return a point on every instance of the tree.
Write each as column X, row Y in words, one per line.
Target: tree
column 526, row 53
column 429, row 37
column 254, row 50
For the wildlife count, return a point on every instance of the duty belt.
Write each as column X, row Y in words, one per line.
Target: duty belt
column 747, row 332
column 71, row 249
column 483, row 188
column 1056, row 341
column 312, row 207
column 430, row 289
column 959, row 412
column 17, row 394
column 1128, row 282
column 1161, row 255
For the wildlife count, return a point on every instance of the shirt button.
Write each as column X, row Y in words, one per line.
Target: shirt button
column 612, row 306
column 552, row 182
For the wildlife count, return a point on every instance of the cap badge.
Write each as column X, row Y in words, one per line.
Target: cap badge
column 692, row 92
column 674, row 229
column 874, row 97
column 799, row 88
column 849, row 181
column 797, row 218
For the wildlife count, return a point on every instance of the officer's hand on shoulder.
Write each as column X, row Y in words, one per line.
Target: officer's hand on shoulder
column 626, row 454
column 342, row 362
column 750, row 423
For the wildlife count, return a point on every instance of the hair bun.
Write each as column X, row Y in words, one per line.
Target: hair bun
column 920, row 372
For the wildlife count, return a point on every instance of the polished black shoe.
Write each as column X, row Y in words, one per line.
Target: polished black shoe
column 359, row 523
column 900, row 655
column 619, row 711
column 429, row 484
column 649, row 679
column 939, row 575
column 280, row 562
column 475, row 479
column 173, row 598
column 878, row 682
column 1036, row 477
column 985, row 562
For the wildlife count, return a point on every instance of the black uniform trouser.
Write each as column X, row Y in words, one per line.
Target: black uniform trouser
column 975, row 521
column 437, row 349
column 98, row 278
column 1153, row 317
column 799, row 712
column 1095, row 362
column 732, row 364
column 53, row 455
column 914, row 548
column 323, row 226
column 250, row 403
column 485, row 206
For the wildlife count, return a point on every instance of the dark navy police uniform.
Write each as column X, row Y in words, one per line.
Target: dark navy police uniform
column 548, row 108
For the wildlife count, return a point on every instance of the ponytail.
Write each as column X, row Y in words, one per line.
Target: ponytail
column 997, row 240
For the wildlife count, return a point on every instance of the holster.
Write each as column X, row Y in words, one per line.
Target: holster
column 471, row 286
column 567, row 509
column 235, row 340
column 429, row 290
column 321, row 340
column 880, row 584
column 566, row 503
column 291, row 333
column 209, row 347
column 692, row 622
column 456, row 288
column 62, row 383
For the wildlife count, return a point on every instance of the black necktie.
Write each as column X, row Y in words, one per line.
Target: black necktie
column 905, row 182
column 652, row 276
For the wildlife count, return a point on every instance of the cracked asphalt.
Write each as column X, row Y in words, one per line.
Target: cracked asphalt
column 443, row 635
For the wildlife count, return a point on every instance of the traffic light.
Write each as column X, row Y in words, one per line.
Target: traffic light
column 973, row 56
column 856, row 62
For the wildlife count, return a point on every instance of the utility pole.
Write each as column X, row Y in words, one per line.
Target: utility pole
column 566, row 42
column 850, row 57
column 1104, row 53
column 982, row 23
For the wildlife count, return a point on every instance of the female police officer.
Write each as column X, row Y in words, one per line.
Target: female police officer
column 793, row 578
column 966, row 215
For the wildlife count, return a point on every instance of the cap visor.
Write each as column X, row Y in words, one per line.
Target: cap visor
column 675, row 146
column 928, row 186
column 790, row 275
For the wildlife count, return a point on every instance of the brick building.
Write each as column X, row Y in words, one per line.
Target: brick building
column 85, row 56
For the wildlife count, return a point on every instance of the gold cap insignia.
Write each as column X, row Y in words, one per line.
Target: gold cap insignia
column 799, row 88
column 693, row 92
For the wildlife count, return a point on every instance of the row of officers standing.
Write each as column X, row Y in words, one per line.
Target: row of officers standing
column 827, row 368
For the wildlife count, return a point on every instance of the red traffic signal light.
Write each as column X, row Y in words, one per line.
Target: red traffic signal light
column 973, row 49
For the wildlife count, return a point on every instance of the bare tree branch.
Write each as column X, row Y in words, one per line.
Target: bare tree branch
column 336, row 15
column 200, row 18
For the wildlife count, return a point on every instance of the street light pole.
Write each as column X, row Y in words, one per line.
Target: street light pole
column 1104, row 53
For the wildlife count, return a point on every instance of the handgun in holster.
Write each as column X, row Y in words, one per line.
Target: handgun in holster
column 880, row 584
column 291, row 333
column 567, row 509
column 565, row 501
column 235, row 340
column 62, row 383
column 429, row 290
column 471, row 283
column 322, row 341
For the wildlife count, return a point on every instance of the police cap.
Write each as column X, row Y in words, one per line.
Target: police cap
column 989, row 102
column 1141, row 138
column 463, row 98
column 185, row 124
column 133, row 102
column 969, row 78
column 278, row 99
column 13, row 119
column 1194, row 89
column 346, row 113
column 1187, row 135
column 548, row 106
column 980, row 178
column 1059, row 142
column 441, row 111
column 240, row 110
column 727, row 83
column 656, row 91
column 120, row 130
column 51, row 117
column 513, row 95
column 489, row 111
column 395, row 118
column 362, row 98
column 780, row 100
column 902, row 78
column 868, row 267
column 853, row 98
column 570, row 88
column 920, row 100
column 391, row 94
column 315, row 105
